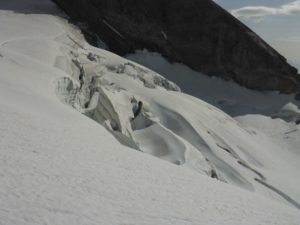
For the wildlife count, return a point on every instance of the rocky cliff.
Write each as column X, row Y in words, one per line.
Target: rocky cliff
column 197, row 33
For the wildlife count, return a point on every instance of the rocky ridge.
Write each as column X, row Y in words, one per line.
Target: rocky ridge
column 198, row 33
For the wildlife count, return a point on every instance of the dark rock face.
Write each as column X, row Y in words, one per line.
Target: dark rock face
column 197, row 33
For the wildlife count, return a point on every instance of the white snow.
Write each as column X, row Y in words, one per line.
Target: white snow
column 61, row 167
column 266, row 145
column 226, row 95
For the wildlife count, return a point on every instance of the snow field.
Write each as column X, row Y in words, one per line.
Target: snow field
column 60, row 167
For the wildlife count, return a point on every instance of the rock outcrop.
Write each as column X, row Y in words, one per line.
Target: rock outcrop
column 197, row 33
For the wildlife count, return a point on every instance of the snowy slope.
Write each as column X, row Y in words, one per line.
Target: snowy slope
column 271, row 142
column 60, row 167
column 177, row 127
column 226, row 95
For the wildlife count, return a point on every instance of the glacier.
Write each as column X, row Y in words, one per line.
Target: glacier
column 73, row 153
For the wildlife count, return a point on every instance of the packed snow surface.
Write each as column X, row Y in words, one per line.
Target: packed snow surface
column 97, row 163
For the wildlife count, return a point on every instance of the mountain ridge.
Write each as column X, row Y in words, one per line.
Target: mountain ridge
column 200, row 34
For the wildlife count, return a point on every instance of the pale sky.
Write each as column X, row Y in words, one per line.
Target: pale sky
column 276, row 21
